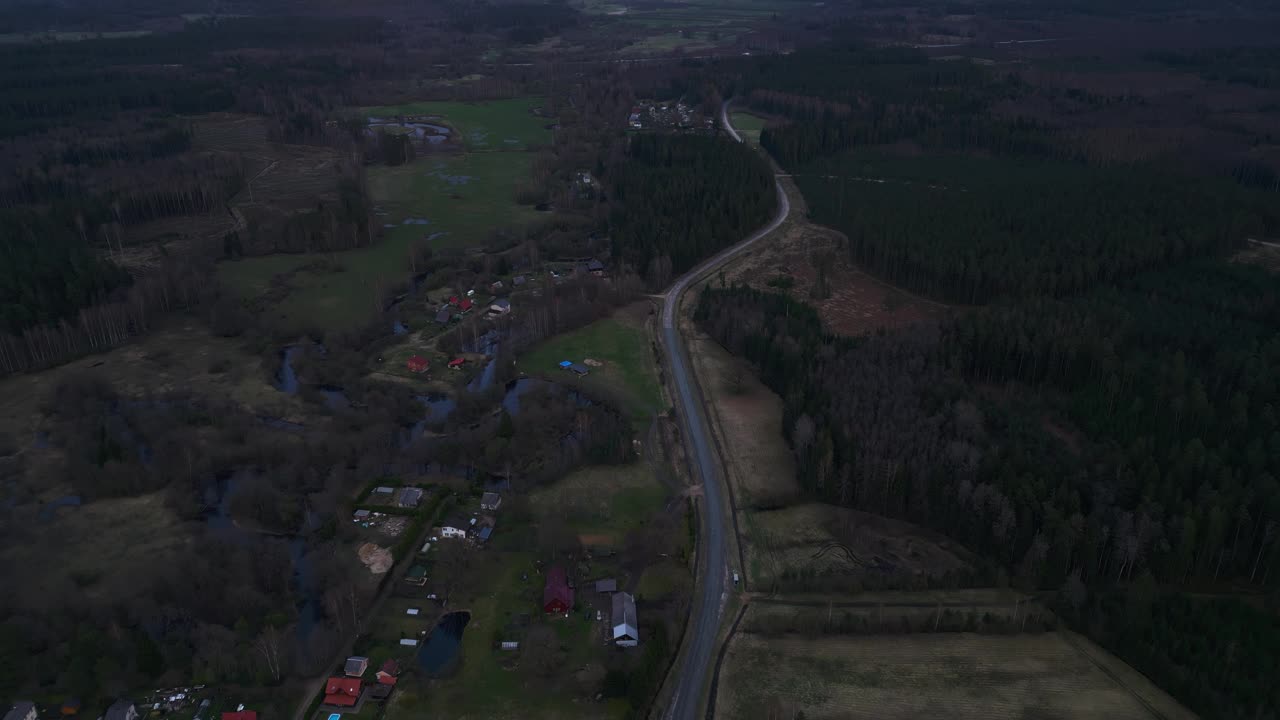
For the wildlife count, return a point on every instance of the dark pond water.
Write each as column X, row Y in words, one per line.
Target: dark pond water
column 430, row 132
column 438, row 656
column 335, row 398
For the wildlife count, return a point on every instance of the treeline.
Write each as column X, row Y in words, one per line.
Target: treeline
column 1152, row 444
column 1216, row 654
column 1021, row 228
column 677, row 199
column 1128, row 433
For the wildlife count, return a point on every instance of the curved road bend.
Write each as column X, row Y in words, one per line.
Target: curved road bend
column 704, row 626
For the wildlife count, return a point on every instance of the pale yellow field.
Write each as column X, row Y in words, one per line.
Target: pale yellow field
column 948, row 675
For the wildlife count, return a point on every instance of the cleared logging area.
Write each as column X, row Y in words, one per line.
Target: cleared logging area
column 947, row 675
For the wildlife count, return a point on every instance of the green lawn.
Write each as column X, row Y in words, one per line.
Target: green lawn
column 603, row 500
column 491, row 125
column 462, row 197
column 483, row 687
column 747, row 125
column 667, row 42
column 622, row 345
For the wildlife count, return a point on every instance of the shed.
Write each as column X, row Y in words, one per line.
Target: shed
column 510, row 644
column 360, row 515
column 356, row 666
column 381, row 692
column 466, row 306
column 566, row 364
column 500, row 307
column 595, row 266
column 457, row 363
column 557, row 596
column 412, row 611
column 490, row 501
column 340, row 691
column 626, row 632
column 484, row 534
column 443, row 317
column 606, row 586
column 417, row 575
column 240, row 715
column 384, row 489
column 409, row 642
column 417, row 364
column 579, row 370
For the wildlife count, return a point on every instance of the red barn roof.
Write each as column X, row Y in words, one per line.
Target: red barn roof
column 391, row 667
column 241, row 715
column 417, row 363
column 457, row 362
column 342, row 691
column 453, row 300
column 465, row 305
column 557, row 597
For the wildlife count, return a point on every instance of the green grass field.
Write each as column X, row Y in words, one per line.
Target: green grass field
column 747, row 125
column 462, row 198
column 622, row 345
column 492, row 125
column 484, row 686
column 667, row 42
column 602, row 501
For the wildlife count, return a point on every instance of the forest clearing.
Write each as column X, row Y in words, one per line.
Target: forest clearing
column 954, row 675
column 440, row 199
column 621, row 344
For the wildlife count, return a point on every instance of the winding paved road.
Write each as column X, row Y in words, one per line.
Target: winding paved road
column 704, row 625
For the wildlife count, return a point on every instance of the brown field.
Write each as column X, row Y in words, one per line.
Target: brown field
column 859, row 303
column 945, row 675
column 828, row 540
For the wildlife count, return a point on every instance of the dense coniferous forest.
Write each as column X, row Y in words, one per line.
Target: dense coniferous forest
column 1019, row 230
column 1149, row 444
column 679, row 198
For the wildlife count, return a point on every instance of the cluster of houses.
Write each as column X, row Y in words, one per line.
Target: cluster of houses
column 558, row 596
column 648, row 115
column 164, row 700
column 458, row 307
column 349, row 690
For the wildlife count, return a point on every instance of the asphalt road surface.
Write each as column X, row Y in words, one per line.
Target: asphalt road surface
column 708, row 605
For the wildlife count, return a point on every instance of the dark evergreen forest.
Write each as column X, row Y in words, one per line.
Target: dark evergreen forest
column 1129, row 431
column 679, row 198
column 1105, row 426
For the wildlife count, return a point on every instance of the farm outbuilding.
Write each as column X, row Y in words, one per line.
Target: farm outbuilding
column 417, row 364
column 626, row 632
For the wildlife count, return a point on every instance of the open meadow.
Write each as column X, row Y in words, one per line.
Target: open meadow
column 515, row 124
column 952, row 675
column 561, row 661
column 451, row 199
column 748, row 125
column 622, row 344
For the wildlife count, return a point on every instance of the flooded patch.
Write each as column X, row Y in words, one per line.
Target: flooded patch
column 286, row 378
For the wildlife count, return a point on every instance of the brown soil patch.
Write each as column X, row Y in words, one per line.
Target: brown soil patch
column 858, row 304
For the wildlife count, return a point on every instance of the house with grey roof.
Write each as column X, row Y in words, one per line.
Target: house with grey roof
column 626, row 631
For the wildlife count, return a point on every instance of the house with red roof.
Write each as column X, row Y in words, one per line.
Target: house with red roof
column 418, row 364
column 453, row 300
column 389, row 672
column 557, row 596
column 342, row 691
column 457, row 363
column 240, row 715
column 466, row 305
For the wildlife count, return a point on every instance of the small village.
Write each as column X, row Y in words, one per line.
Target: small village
column 668, row 117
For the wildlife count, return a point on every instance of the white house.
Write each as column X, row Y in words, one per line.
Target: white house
column 626, row 633
column 121, row 710
column 456, row 527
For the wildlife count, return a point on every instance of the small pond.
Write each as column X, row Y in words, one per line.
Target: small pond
column 438, row 655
